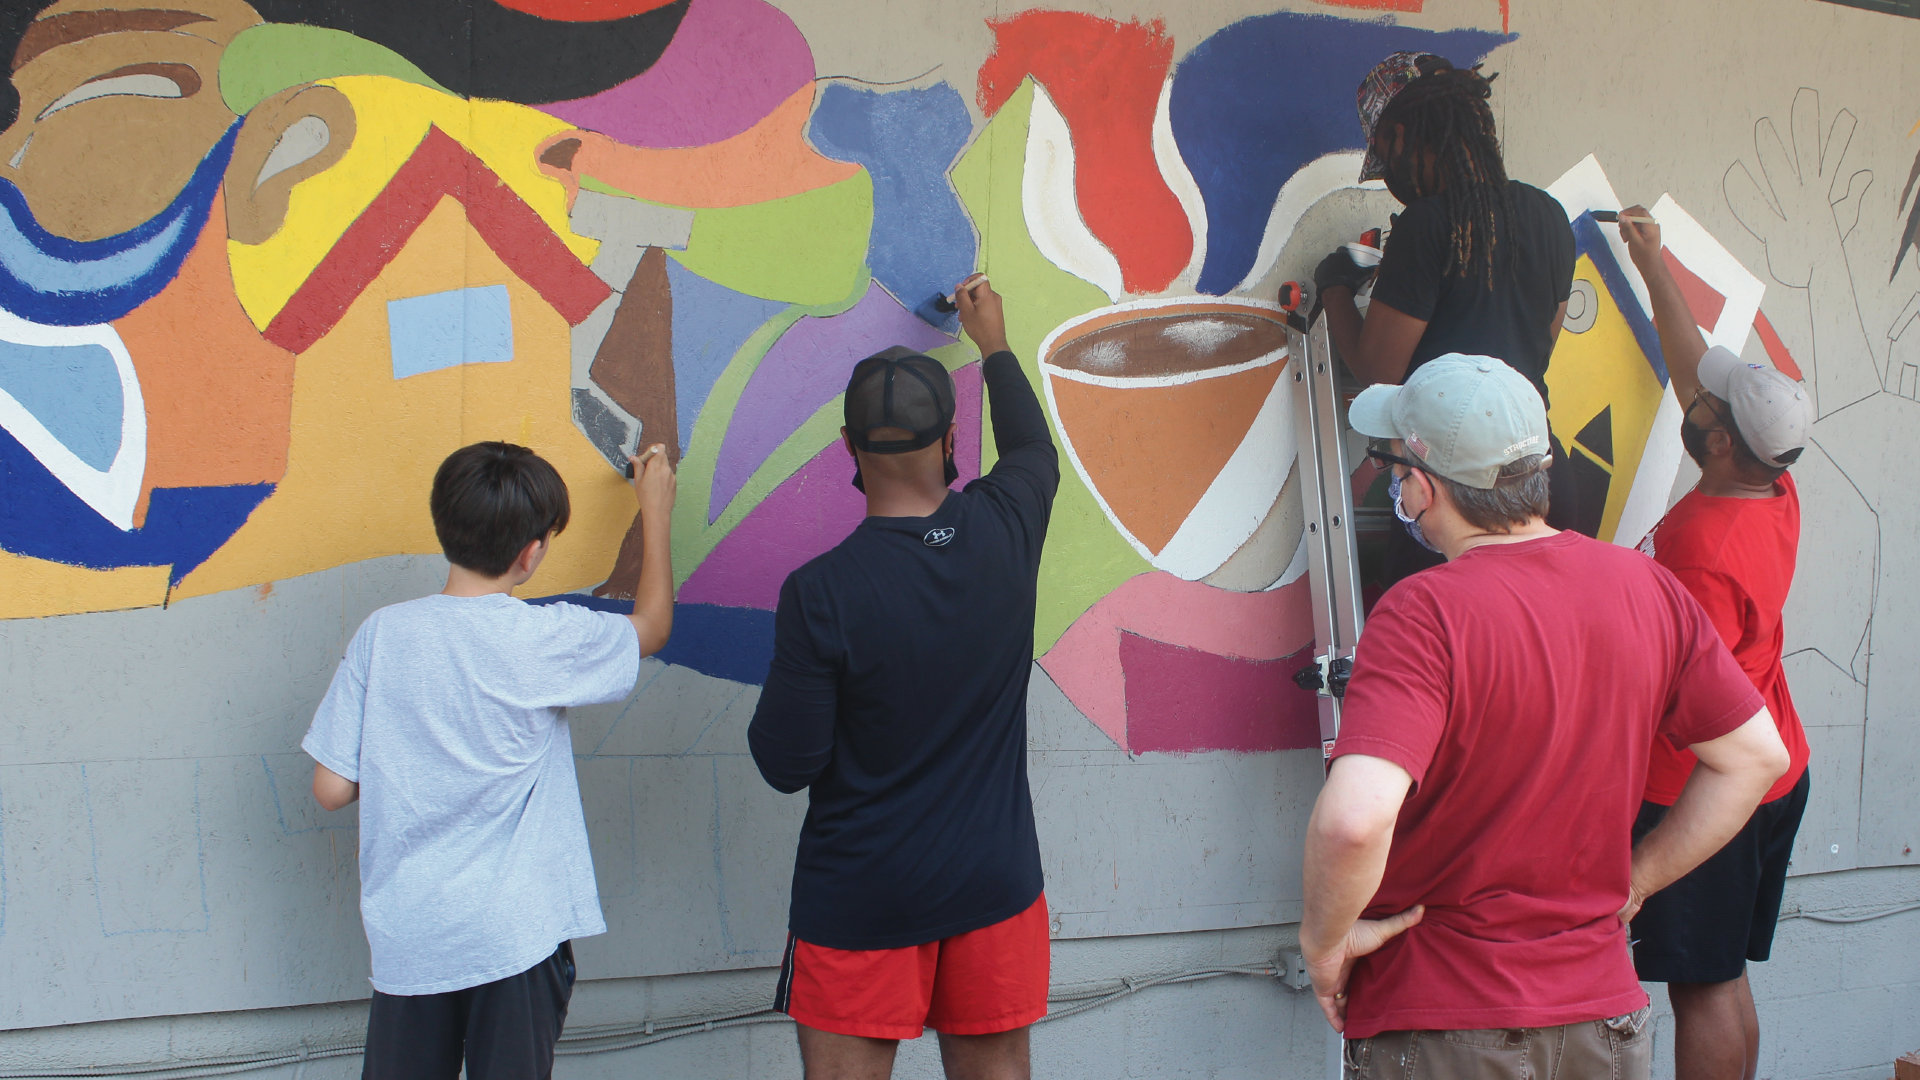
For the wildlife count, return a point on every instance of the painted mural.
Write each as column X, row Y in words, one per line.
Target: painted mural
column 263, row 266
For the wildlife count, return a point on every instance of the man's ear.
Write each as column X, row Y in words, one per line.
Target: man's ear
column 295, row 134
column 848, row 440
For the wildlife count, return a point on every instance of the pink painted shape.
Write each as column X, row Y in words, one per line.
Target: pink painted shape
column 1085, row 662
column 804, row 370
column 809, row 512
column 1182, row 701
column 731, row 62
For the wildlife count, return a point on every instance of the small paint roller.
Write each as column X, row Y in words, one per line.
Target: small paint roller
column 947, row 305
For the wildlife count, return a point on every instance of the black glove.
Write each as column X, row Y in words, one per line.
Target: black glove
column 1339, row 268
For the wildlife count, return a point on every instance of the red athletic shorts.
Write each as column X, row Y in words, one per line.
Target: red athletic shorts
column 978, row 983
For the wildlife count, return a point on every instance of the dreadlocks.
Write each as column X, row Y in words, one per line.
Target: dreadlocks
column 1448, row 147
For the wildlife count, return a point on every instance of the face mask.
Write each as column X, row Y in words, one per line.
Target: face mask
column 1694, row 441
column 1412, row 523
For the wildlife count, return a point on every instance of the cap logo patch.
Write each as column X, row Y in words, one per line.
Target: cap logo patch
column 1420, row 448
column 937, row 537
column 1521, row 445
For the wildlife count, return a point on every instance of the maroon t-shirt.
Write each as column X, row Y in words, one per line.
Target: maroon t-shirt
column 1522, row 685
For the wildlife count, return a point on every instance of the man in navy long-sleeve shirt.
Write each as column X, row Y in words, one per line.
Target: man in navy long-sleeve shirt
column 898, row 697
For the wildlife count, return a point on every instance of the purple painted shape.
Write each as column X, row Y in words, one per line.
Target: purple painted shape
column 731, row 63
column 809, row 512
column 1182, row 701
column 804, row 370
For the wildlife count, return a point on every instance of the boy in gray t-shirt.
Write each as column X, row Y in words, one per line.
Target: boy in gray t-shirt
column 447, row 719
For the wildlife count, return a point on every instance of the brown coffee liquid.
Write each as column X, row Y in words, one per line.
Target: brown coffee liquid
column 1177, row 343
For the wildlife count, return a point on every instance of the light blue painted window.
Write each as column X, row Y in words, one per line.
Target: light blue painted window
column 73, row 390
column 443, row 330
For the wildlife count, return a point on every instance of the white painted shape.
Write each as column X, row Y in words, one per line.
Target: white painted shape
column 1240, row 495
column 145, row 85
column 112, row 494
column 1647, row 501
column 1051, row 208
column 303, row 139
column 1313, row 181
column 1173, row 169
column 1296, row 566
column 1699, row 252
column 20, row 155
column 1585, row 187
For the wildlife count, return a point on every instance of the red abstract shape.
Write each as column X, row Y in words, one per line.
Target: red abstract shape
column 583, row 10
column 439, row 167
column 1182, row 701
column 1705, row 300
column 1407, row 5
column 1776, row 349
column 1105, row 78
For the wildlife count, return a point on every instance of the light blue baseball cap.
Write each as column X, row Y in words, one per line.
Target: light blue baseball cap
column 1461, row 417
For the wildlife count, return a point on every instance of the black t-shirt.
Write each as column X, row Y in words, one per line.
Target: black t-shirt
column 898, row 695
column 1512, row 320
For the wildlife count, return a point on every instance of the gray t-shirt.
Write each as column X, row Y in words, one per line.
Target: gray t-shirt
column 450, row 712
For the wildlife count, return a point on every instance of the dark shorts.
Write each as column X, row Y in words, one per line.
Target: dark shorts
column 1705, row 927
column 502, row 1030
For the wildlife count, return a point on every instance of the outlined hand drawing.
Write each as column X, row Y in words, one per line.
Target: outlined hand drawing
column 1802, row 212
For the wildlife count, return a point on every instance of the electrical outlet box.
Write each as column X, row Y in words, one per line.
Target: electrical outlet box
column 1293, row 970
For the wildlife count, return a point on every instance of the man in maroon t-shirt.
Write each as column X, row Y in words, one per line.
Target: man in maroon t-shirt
column 1732, row 541
column 1469, row 871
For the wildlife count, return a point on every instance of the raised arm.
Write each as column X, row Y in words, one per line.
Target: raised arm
column 1020, row 433
column 1680, row 340
column 1734, row 774
column 791, row 735
column 654, row 486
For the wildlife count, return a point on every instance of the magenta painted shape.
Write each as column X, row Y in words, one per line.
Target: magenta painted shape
column 1182, row 701
column 809, row 512
column 731, row 63
column 804, row 370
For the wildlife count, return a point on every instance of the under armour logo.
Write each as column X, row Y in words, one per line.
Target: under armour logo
column 937, row 537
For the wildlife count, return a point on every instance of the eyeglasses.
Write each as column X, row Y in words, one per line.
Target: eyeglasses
column 1700, row 398
column 1381, row 450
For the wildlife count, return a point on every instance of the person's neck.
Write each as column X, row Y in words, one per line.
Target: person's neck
column 1727, row 483
column 464, row 582
column 905, row 500
column 1458, row 542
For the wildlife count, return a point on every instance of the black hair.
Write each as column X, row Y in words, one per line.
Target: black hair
column 1517, row 496
column 490, row 500
column 1450, row 148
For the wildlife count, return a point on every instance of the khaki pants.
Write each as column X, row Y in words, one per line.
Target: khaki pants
column 1616, row 1049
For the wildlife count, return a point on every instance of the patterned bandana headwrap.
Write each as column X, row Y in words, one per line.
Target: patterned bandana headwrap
column 1388, row 78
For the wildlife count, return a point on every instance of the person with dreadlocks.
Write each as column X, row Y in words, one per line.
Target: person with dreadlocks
column 1476, row 264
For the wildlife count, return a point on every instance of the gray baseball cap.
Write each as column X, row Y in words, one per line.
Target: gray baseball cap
column 1462, row 417
column 1771, row 410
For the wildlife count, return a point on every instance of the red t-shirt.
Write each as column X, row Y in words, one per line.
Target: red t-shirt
column 1736, row 557
column 1521, row 685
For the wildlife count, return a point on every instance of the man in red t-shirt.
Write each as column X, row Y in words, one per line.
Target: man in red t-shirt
column 1469, row 872
column 1732, row 542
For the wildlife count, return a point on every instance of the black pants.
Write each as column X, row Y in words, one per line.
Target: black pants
column 504, row 1030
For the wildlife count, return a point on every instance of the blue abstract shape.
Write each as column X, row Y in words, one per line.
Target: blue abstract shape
column 51, row 279
column 1588, row 241
column 922, row 241
column 447, row 329
column 73, row 390
column 710, row 323
column 731, row 643
column 42, row 519
column 1268, row 94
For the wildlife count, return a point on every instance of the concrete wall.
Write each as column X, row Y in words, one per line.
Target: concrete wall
column 691, row 236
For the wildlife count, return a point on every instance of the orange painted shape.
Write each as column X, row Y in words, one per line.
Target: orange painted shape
column 1152, row 451
column 1783, row 361
column 770, row 160
column 218, row 395
column 583, row 10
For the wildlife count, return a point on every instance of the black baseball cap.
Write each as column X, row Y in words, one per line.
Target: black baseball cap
column 903, row 389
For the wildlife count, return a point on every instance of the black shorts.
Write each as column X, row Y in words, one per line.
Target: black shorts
column 1706, row 926
column 503, row 1030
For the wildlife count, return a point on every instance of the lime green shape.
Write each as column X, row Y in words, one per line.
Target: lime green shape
column 266, row 59
column 809, row 248
column 1086, row 557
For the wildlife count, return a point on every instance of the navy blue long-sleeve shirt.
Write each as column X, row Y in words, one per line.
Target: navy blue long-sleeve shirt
column 898, row 696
